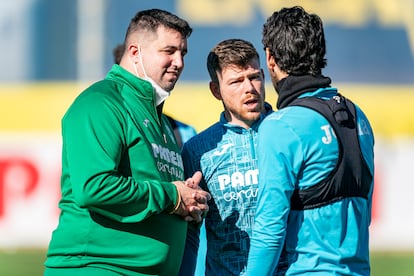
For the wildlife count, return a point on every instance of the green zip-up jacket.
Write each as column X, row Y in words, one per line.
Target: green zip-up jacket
column 118, row 161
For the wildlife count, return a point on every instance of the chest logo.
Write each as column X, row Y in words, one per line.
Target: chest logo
column 146, row 122
column 222, row 150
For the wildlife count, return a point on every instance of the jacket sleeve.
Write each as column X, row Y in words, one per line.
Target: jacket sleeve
column 94, row 140
column 276, row 185
column 189, row 262
column 366, row 141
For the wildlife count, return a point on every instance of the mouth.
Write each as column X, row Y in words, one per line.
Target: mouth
column 251, row 102
column 173, row 75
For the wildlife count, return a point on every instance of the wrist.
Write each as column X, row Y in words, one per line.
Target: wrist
column 177, row 203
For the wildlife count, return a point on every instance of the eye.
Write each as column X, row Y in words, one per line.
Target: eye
column 235, row 81
column 169, row 51
column 256, row 77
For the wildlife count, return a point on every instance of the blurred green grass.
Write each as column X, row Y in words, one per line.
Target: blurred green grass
column 29, row 262
column 19, row 262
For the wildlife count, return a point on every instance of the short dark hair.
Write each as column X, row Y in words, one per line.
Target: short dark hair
column 237, row 52
column 150, row 20
column 296, row 40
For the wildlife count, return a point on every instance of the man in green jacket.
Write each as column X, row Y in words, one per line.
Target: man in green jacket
column 125, row 205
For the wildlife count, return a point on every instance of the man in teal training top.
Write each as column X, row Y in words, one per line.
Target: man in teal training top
column 226, row 155
column 316, row 161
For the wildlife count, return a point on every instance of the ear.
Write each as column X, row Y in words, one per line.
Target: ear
column 215, row 90
column 270, row 61
column 133, row 51
column 275, row 72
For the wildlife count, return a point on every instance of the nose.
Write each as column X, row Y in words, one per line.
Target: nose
column 178, row 60
column 248, row 86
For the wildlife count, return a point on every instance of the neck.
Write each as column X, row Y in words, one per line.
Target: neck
column 292, row 87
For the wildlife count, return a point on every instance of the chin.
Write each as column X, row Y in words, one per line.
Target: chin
column 169, row 88
column 170, row 85
column 253, row 117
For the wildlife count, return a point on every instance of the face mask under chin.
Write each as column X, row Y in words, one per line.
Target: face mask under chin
column 160, row 94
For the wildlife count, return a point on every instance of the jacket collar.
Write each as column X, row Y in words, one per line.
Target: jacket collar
column 292, row 87
column 141, row 86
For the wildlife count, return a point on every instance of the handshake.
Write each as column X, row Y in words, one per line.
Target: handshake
column 192, row 200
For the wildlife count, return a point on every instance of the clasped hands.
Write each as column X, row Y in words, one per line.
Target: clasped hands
column 193, row 203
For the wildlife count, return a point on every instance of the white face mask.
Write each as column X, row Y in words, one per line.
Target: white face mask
column 160, row 94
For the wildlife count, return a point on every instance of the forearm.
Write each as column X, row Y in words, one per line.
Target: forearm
column 124, row 199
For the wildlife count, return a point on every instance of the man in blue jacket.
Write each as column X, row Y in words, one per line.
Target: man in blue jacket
column 316, row 161
column 226, row 155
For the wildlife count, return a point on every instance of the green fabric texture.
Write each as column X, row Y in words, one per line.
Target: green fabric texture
column 118, row 162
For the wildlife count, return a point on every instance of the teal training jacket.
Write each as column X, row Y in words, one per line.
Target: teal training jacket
column 297, row 149
column 226, row 155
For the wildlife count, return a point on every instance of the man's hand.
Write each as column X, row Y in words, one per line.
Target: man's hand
column 193, row 199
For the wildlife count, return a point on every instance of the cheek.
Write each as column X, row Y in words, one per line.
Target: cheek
column 232, row 102
column 228, row 96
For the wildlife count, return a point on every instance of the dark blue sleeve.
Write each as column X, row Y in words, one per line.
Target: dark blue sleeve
column 188, row 264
